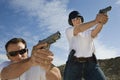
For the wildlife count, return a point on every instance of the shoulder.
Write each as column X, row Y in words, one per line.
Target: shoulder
column 69, row 30
column 4, row 64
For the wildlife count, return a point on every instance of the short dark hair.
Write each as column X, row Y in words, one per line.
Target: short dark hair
column 15, row 41
column 73, row 15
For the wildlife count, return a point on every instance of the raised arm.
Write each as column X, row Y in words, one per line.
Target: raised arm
column 99, row 27
column 95, row 32
column 46, row 57
column 85, row 26
column 53, row 74
column 15, row 70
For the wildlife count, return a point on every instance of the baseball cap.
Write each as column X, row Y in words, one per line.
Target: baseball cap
column 74, row 14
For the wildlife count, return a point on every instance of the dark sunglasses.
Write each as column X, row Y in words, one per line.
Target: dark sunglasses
column 15, row 53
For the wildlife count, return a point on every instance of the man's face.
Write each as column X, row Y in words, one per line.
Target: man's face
column 17, row 52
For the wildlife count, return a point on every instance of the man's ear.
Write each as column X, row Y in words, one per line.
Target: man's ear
column 8, row 56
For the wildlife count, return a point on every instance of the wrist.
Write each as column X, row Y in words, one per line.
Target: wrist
column 30, row 61
column 49, row 67
column 101, row 23
column 95, row 21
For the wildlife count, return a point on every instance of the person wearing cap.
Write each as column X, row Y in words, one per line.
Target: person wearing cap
column 21, row 67
column 82, row 62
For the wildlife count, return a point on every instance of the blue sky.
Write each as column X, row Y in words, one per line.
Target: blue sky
column 35, row 20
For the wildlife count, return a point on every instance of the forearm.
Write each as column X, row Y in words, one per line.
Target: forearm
column 15, row 70
column 84, row 26
column 53, row 74
column 98, row 28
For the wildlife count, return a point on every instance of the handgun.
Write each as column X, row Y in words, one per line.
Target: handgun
column 71, row 55
column 51, row 39
column 105, row 10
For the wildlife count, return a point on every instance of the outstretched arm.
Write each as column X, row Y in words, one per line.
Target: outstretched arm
column 95, row 32
column 99, row 27
column 85, row 26
column 53, row 74
column 15, row 70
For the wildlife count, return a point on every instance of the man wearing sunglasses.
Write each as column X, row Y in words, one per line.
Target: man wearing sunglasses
column 21, row 67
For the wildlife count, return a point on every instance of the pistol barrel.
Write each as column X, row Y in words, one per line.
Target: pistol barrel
column 105, row 10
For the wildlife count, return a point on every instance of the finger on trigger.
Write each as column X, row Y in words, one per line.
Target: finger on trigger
column 41, row 45
column 45, row 52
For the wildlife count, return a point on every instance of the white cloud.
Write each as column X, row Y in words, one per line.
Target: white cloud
column 118, row 2
column 58, row 61
column 3, row 57
column 103, row 51
column 50, row 14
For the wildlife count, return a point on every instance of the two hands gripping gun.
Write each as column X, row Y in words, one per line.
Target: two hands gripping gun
column 105, row 10
column 51, row 39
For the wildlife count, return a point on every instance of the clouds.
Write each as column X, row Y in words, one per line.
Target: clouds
column 2, row 57
column 118, row 2
column 51, row 15
column 103, row 51
column 48, row 13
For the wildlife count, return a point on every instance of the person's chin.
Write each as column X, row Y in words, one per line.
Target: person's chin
column 17, row 60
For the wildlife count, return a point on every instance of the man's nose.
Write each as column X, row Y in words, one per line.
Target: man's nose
column 19, row 56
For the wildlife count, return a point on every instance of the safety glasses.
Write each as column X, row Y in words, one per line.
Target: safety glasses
column 15, row 53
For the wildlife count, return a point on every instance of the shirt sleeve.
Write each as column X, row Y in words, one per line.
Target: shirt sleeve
column 69, row 33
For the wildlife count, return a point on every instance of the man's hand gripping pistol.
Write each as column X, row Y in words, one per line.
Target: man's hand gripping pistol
column 51, row 39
